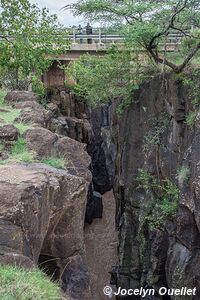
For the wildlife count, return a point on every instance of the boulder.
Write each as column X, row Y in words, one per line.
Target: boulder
column 41, row 140
column 37, row 116
column 16, row 260
column 9, row 133
column 20, row 96
column 46, row 143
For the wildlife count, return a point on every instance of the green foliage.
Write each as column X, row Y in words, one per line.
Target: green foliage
column 38, row 87
column 191, row 118
column 17, row 283
column 165, row 203
column 30, row 37
column 146, row 180
column 58, row 162
column 115, row 75
column 20, row 152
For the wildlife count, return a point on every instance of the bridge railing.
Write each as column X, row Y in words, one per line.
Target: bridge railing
column 98, row 36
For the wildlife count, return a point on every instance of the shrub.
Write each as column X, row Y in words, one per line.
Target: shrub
column 165, row 203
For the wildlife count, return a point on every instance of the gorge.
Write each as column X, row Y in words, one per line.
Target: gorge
column 147, row 234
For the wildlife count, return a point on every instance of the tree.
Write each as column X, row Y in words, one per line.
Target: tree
column 108, row 77
column 147, row 23
column 30, row 38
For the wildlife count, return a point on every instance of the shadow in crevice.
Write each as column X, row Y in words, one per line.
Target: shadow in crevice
column 49, row 265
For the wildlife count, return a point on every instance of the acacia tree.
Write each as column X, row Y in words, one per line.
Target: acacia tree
column 29, row 38
column 148, row 22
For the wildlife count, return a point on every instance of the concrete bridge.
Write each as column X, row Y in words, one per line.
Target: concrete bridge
column 96, row 44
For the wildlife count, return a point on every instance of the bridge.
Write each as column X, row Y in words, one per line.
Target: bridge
column 96, row 44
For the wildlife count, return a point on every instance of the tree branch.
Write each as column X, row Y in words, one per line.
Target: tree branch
column 174, row 67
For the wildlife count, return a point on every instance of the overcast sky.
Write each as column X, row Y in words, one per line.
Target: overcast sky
column 55, row 7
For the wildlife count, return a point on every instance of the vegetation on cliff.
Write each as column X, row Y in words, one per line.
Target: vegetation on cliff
column 21, row 284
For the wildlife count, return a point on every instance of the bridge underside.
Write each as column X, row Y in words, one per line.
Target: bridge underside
column 55, row 76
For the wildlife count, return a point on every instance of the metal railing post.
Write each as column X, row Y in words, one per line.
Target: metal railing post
column 74, row 35
column 100, row 41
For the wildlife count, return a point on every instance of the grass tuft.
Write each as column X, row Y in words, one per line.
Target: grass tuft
column 56, row 162
column 22, row 127
column 8, row 116
column 17, row 283
column 20, row 152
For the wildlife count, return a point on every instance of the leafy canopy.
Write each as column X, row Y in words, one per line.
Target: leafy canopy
column 107, row 77
column 30, row 36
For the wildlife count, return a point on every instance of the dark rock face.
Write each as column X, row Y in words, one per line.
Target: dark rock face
column 75, row 271
column 90, row 126
column 94, row 208
column 152, row 134
column 9, row 133
column 96, row 149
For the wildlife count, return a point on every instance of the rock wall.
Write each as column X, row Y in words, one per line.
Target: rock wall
column 152, row 135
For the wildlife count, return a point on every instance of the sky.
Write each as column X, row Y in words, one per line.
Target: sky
column 55, row 7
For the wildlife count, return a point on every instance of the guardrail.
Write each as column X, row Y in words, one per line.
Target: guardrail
column 103, row 38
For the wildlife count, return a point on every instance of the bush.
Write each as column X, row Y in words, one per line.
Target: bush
column 165, row 203
column 21, row 284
